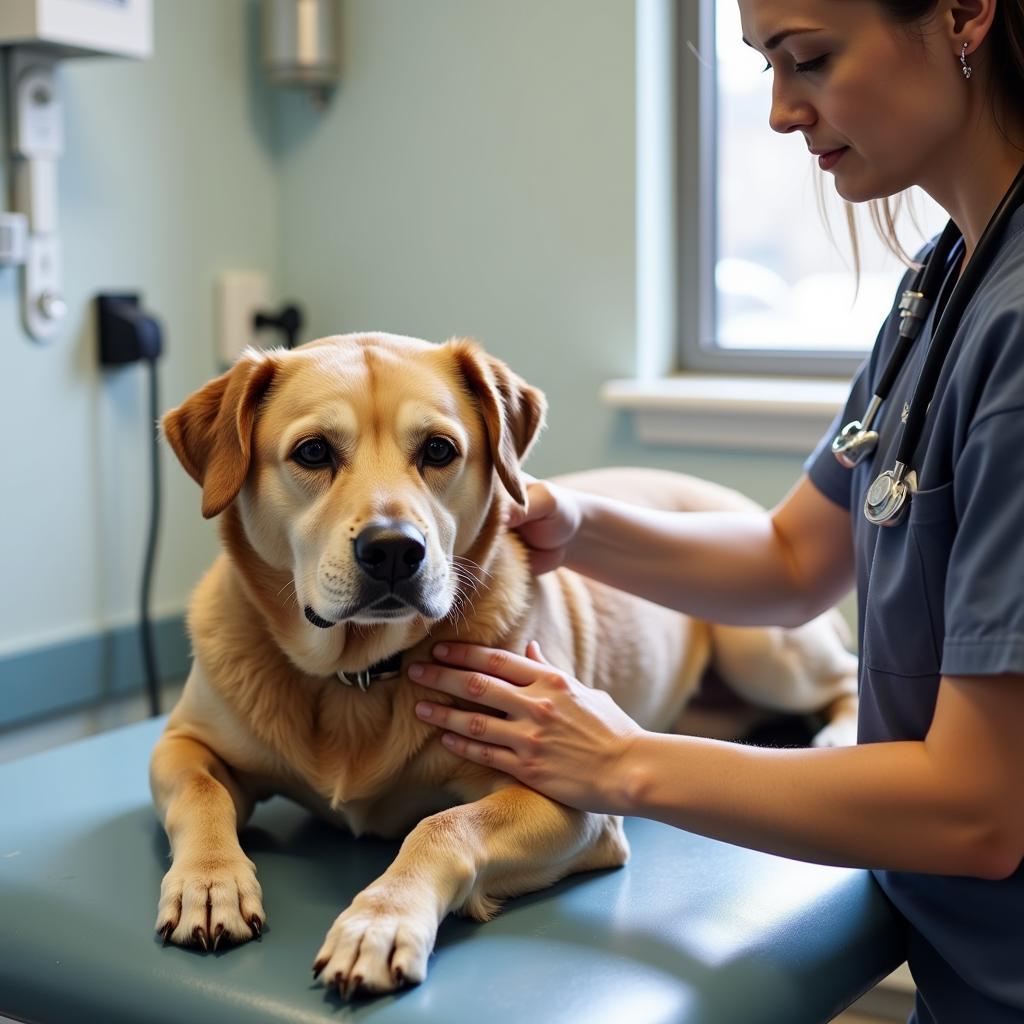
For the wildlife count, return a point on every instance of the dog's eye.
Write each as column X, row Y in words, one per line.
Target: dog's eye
column 438, row 451
column 313, row 454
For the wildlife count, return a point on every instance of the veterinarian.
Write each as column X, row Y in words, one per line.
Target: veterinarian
column 928, row 522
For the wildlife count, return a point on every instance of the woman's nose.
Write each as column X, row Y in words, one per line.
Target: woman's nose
column 789, row 111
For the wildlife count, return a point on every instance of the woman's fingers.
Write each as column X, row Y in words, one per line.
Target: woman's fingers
column 501, row 665
column 493, row 678
column 471, row 724
column 472, row 686
column 502, row 759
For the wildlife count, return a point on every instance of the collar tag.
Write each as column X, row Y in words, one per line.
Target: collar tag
column 389, row 668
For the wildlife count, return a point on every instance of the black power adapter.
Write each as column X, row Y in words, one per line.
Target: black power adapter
column 127, row 334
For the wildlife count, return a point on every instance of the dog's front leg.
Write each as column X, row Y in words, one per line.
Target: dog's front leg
column 467, row 858
column 210, row 892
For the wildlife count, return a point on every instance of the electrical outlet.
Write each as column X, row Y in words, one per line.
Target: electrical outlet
column 241, row 294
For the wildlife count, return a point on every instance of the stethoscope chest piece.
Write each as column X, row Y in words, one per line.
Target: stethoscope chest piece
column 854, row 444
column 888, row 497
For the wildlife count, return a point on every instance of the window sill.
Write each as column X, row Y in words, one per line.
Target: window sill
column 764, row 414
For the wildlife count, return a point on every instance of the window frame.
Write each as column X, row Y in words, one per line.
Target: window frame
column 690, row 28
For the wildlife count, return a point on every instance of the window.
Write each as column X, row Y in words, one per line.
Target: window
column 760, row 286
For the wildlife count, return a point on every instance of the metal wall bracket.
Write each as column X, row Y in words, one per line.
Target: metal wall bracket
column 37, row 141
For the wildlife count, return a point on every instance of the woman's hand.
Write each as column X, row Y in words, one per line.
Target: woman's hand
column 564, row 739
column 547, row 524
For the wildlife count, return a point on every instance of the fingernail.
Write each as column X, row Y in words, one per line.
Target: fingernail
column 448, row 740
column 424, row 710
column 441, row 650
column 415, row 671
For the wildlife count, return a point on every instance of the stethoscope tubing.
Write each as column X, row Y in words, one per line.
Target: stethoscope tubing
column 858, row 439
column 889, row 495
column 925, row 286
column 949, row 322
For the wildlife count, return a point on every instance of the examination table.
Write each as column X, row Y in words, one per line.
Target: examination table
column 690, row 930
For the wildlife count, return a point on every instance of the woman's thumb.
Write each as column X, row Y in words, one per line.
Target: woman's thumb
column 533, row 652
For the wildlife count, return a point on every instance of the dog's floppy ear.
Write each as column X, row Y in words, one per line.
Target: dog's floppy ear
column 211, row 431
column 513, row 411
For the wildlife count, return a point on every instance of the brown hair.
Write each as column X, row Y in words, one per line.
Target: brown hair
column 1005, row 62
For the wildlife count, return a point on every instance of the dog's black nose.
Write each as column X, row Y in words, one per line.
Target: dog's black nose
column 390, row 551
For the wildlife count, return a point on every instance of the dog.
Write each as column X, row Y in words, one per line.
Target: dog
column 362, row 483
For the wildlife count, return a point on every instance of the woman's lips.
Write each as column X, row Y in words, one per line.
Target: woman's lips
column 828, row 160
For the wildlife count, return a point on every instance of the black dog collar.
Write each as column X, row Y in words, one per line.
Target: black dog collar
column 389, row 668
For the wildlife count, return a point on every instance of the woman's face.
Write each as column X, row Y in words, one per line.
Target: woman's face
column 884, row 101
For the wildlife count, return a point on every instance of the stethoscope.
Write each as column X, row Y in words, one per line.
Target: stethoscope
column 888, row 497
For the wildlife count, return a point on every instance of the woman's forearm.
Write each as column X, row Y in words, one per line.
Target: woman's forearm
column 883, row 805
column 730, row 567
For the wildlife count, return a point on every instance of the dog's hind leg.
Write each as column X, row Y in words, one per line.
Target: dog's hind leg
column 467, row 858
column 803, row 669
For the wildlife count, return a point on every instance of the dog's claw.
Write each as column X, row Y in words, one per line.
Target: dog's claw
column 165, row 932
column 319, row 965
column 218, row 935
column 200, row 939
column 399, row 975
column 256, row 925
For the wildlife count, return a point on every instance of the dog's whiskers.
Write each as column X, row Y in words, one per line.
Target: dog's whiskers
column 293, row 582
column 463, row 563
column 458, row 609
column 466, row 576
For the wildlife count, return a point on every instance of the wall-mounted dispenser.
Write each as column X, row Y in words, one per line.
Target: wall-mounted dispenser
column 40, row 33
column 301, row 44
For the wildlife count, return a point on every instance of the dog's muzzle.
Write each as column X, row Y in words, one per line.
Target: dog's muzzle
column 391, row 555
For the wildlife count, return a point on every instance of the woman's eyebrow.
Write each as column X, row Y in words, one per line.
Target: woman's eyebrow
column 776, row 39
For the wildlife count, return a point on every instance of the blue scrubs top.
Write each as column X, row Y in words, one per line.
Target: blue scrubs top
column 943, row 593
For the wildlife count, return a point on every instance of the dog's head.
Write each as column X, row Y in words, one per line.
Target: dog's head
column 364, row 466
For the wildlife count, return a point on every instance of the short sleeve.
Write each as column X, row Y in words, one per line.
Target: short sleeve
column 984, row 598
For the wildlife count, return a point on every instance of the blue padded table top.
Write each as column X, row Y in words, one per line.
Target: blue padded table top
column 689, row 930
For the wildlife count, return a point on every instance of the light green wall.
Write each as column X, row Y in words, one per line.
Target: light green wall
column 474, row 174
column 167, row 176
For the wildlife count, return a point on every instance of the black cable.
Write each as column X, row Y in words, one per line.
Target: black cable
column 128, row 335
column 145, row 625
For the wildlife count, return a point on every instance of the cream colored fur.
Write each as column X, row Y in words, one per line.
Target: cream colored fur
column 264, row 711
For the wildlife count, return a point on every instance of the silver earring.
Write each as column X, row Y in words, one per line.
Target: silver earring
column 964, row 66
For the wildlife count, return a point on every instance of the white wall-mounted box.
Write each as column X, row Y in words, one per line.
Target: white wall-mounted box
column 76, row 28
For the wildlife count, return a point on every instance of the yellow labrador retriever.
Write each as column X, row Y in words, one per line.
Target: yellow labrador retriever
column 361, row 482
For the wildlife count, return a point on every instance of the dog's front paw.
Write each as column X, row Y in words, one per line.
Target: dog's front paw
column 375, row 946
column 211, row 900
